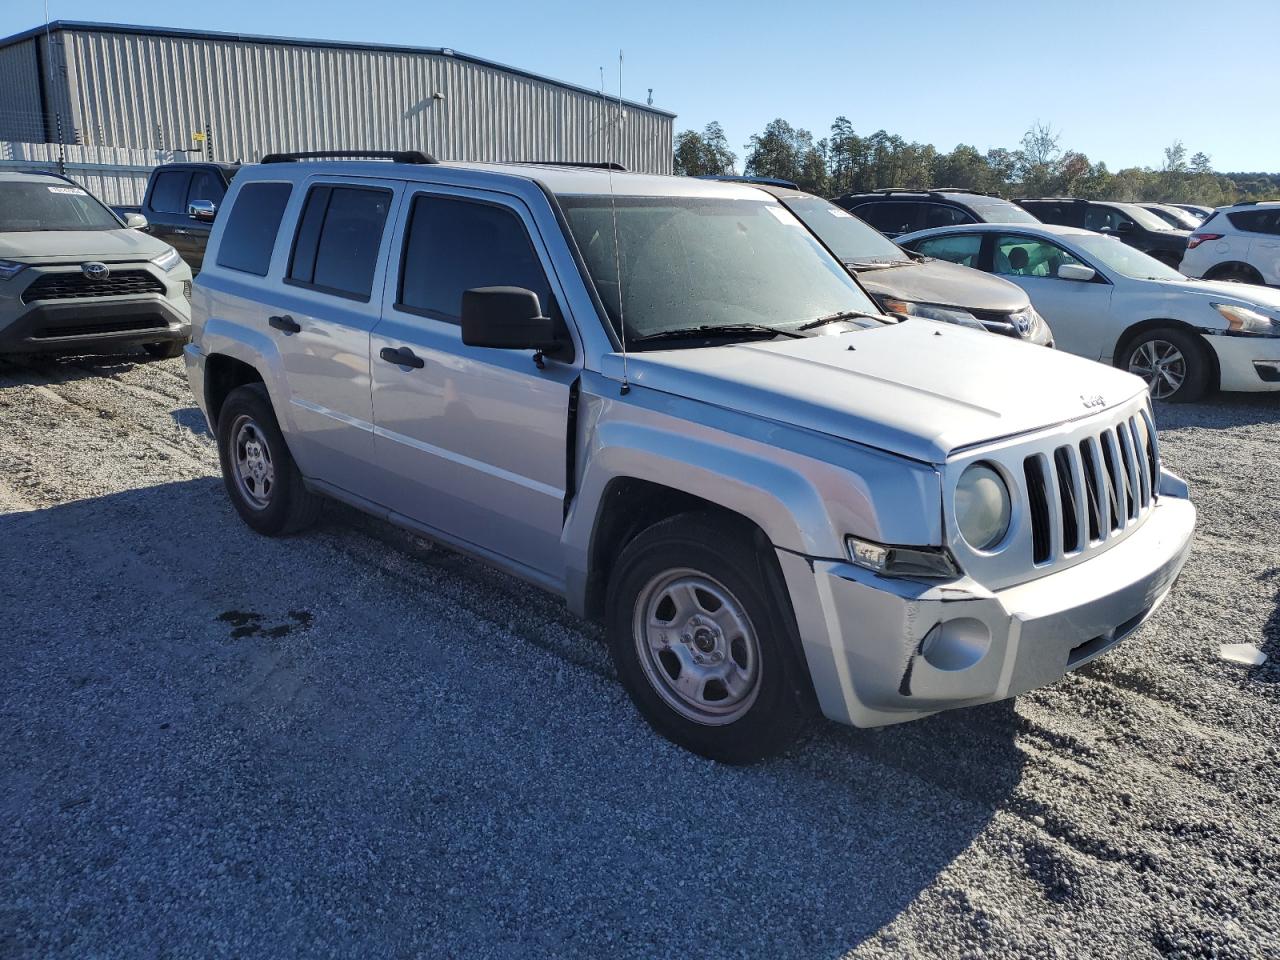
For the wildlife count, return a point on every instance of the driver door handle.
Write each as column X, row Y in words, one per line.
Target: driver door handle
column 402, row 357
column 285, row 323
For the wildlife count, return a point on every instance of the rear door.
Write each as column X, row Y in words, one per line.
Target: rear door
column 471, row 441
column 319, row 315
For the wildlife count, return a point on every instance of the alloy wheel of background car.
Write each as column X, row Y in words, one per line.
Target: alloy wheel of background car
column 697, row 646
column 251, row 463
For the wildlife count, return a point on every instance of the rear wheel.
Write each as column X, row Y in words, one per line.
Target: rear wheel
column 257, row 469
column 701, row 642
column 1235, row 272
column 165, row 350
column 1172, row 362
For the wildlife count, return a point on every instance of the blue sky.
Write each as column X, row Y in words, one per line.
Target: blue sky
column 1120, row 80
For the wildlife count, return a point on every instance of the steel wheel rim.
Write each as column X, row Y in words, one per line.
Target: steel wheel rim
column 697, row 647
column 1162, row 365
column 251, row 465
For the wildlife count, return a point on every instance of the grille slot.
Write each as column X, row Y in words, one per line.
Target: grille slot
column 1038, row 498
column 72, row 286
column 1063, row 461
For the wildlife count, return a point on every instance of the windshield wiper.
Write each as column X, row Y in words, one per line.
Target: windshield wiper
column 837, row 316
column 707, row 331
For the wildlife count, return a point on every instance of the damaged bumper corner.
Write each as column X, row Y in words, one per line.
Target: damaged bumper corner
column 884, row 651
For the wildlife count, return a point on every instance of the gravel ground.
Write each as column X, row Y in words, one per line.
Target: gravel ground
column 353, row 743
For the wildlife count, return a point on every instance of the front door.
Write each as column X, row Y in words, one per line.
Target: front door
column 1079, row 312
column 471, row 441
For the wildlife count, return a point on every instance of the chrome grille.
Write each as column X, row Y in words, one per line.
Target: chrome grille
column 1081, row 494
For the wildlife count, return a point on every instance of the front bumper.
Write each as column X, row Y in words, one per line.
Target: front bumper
column 90, row 322
column 883, row 651
column 1247, row 363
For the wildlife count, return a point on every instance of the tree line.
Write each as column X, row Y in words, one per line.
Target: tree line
column 847, row 162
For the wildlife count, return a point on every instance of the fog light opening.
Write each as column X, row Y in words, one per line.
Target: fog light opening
column 956, row 644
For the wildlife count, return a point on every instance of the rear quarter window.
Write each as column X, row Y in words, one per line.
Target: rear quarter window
column 1255, row 221
column 252, row 225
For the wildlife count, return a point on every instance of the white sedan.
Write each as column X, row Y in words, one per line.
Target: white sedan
column 1109, row 302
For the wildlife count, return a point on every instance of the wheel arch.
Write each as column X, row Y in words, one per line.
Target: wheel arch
column 1218, row 269
column 1131, row 333
column 224, row 373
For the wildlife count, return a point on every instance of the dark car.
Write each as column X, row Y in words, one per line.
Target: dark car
column 181, row 201
column 894, row 212
column 1130, row 222
column 903, row 282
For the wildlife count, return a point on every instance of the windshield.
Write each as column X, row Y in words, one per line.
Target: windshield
column 1144, row 217
column 995, row 210
column 1124, row 259
column 849, row 238
column 690, row 262
column 29, row 205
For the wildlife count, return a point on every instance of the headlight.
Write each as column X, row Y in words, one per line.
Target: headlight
column 10, row 269
column 1249, row 322
column 931, row 562
column 983, row 507
column 931, row 311
column 167, row 260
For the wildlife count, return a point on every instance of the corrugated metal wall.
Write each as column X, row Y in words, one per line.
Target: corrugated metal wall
column 141, row 90
column 20, row 80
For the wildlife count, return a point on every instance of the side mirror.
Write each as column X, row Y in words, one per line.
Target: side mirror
column 202, row 210
column 1124, row 226
column 1076, row 271
column 136, row 221
column 506, row 318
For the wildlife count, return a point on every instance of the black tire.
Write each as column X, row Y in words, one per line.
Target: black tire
column 726, row 555
column 165, row 350
column 1195, row 370
column 286, row 505
column 1235, row 273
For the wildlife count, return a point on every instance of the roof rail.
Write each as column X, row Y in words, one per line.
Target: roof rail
column 584, row 164
column 764, row 181
column 1065, row 199
column 932, row 191
column 395, row 156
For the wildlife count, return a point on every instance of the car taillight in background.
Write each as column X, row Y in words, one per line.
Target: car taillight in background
column 1196, row 239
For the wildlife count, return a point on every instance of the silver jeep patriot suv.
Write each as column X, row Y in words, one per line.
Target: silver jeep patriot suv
column 663, row 399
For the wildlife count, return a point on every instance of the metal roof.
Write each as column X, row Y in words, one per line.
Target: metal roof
column 85, row 26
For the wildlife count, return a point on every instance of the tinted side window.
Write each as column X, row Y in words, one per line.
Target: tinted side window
column 250, row 234
column 940, row 215
column 1047, row 212
column 1255, row 221
column 454, row 245
column 961, row 248
column 1018, row 256
column 336, row 247
column 205, row 186
column 890, row 216
column 1104, row 218
column 169, row 195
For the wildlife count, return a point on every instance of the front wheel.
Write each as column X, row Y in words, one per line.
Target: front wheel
column 701, row 642
column 1172, row 362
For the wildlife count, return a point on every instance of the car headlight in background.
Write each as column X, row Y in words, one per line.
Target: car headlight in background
column 1249, row 322
column 928, row 562
column 167, row 260
column 931, row 311
column 983, row 506
column 10, row 269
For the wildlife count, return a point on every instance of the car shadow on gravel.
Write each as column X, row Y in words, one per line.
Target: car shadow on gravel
column 1269, row 672
column 1220, row 410
column 350, row 744
column 68, row 367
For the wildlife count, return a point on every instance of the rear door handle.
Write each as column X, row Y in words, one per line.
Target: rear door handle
column 402, row 357
column 285, row 323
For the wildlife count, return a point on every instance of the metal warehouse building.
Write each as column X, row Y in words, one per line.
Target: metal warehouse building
column 156, row 89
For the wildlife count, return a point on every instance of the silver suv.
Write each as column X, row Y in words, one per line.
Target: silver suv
column 778, row 499
column 74, row 276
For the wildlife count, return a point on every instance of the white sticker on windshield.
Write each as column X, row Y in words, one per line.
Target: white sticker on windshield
column 73, row 191
column 782, row 215
column 837, row 212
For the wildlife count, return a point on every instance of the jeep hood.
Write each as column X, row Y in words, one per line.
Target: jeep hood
column 918, row 388
column 77, row 246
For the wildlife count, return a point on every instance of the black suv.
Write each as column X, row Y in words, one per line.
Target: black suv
column 181, row 202
column 894, row 212
column 1130, row 222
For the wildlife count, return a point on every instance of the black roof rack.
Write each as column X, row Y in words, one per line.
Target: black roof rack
column 1066, row 200
column 932, row 191
column 584, row 164
column 395, row 156
column 763, row 181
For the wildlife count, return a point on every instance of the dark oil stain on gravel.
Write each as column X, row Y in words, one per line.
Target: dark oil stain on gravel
column 247, row 623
